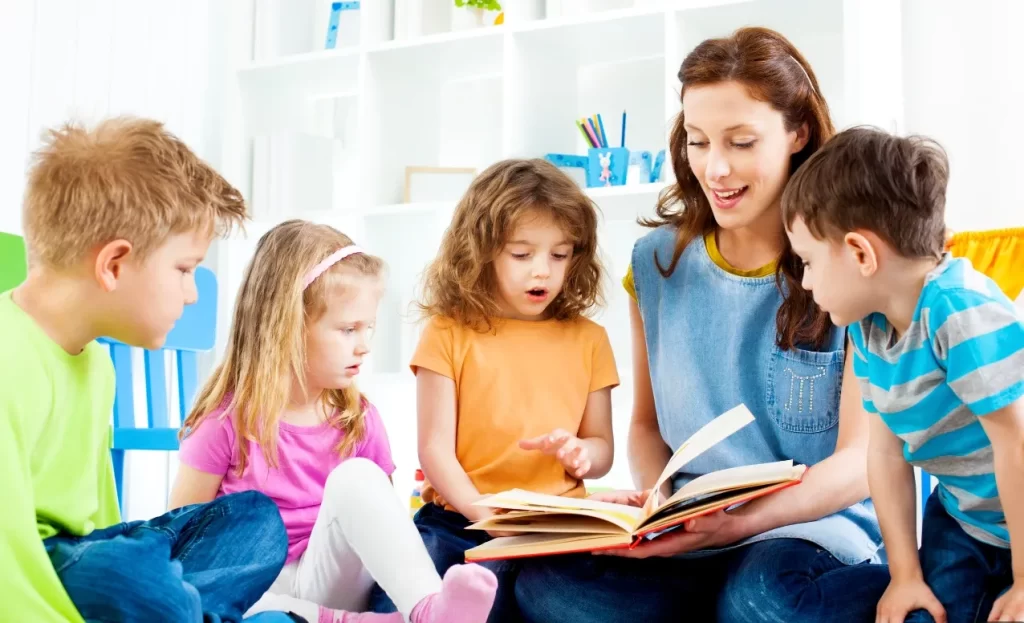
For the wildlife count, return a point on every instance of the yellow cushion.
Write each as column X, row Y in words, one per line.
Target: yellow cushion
column 999, row 253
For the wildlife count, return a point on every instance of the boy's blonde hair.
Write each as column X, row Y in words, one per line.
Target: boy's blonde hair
column 266, row 346
column 460, row 283
column 127, row 178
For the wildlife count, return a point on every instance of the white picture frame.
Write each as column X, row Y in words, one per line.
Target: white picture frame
column 430, row 183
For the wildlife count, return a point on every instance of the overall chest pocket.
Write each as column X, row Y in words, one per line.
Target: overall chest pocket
column 802, row 389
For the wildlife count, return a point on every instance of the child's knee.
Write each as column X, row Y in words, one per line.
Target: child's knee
column 257, row 517
column 355, row 478
column 144, row 590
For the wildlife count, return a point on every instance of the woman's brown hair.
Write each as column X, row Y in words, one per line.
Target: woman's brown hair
column 460, row 283
column 773, row 71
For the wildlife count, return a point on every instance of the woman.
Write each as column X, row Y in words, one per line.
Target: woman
column 718, row 319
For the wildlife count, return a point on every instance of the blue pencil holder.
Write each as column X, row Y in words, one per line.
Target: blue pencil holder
column 607, row 166
column 610, row 166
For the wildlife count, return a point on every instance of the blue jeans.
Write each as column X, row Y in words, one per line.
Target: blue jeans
column 446, row 538
column 778, row 580
column 965, row 574
column 206, row 562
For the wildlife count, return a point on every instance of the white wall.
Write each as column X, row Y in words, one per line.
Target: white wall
column 86, row 59
column 963, row 69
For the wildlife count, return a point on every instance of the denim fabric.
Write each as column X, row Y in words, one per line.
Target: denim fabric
column 711, row 346
column 965, row 574
column 446, row 538
column 206, row 562
column 774, row 581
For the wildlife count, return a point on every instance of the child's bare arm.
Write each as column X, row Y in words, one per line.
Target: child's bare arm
column 192, row 486
column 589, row 452
column 891, row 481
column 436, row 409
column 1005, row 430
column 892, row 486
column 596, row 432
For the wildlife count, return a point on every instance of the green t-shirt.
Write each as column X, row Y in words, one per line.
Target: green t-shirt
column 55, row 469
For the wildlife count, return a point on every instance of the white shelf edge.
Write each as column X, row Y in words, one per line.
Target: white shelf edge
column 425, row 207
column 501, row 30
column 632, row 190
column 437, row 39
column 300, row 59
column 587, row 19
column 393, row 209
column 390, row 209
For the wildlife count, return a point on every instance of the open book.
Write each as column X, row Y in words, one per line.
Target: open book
column 552, row 524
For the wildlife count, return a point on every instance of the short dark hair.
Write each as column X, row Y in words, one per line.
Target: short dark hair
column 867, row 179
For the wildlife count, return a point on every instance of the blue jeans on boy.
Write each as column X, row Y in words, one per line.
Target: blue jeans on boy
column 446, row 538
column 966, row 575
column 783, row 579
column 205, row 562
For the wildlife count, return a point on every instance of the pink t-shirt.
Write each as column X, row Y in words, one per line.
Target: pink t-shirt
column 306, row 455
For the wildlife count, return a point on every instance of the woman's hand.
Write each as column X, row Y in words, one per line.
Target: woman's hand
column 715, row 530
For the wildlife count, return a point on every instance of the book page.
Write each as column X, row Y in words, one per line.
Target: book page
column 547, row 522
column 668, row 517
column 738, row 477
column 539, row 544
column 626, row 517
column 710, row 434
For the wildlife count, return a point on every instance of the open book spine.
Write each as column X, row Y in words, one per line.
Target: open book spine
column 640, row 535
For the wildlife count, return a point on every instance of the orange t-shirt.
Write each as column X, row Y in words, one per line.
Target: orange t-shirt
column 522, row 380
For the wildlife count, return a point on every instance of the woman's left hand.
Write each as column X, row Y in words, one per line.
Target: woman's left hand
column 715, row 530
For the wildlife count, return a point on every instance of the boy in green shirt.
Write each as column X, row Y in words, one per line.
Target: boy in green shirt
column 116, row 220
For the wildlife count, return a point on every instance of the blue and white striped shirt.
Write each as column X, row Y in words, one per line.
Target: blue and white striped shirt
column 961, row 358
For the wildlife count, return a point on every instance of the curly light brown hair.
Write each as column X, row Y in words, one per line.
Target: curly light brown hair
column 460, row 283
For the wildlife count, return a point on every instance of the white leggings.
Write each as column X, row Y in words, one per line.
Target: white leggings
column 362, row 534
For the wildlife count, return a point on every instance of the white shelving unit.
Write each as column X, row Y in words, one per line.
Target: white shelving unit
column 326, row 134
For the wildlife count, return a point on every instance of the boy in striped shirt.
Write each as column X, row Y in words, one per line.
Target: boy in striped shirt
column 939, row 352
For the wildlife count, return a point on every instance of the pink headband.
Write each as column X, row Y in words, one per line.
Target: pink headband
column 329, row 261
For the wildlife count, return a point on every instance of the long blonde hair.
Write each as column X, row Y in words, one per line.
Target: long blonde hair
column 266, row 348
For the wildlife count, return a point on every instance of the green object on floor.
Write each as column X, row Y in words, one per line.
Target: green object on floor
column 13, row 267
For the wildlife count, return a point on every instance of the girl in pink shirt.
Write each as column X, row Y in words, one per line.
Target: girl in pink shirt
column 282, row 415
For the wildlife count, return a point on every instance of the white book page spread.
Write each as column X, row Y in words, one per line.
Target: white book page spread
column 626, row 517
column 710, row 434
column 738, row 477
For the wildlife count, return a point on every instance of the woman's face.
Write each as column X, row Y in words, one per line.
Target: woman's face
column 739, row 149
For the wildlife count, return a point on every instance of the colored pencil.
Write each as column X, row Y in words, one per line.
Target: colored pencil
column 593, row 133
column 586, row 137
column 623, row 128
column 600, row 124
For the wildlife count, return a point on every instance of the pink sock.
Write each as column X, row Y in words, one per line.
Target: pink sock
column 466, row 597
column 340, row 616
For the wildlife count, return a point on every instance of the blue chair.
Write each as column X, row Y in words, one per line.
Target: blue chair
column 194, row 332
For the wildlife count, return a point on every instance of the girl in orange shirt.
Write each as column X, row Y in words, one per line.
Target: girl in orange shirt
column 513, row 381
